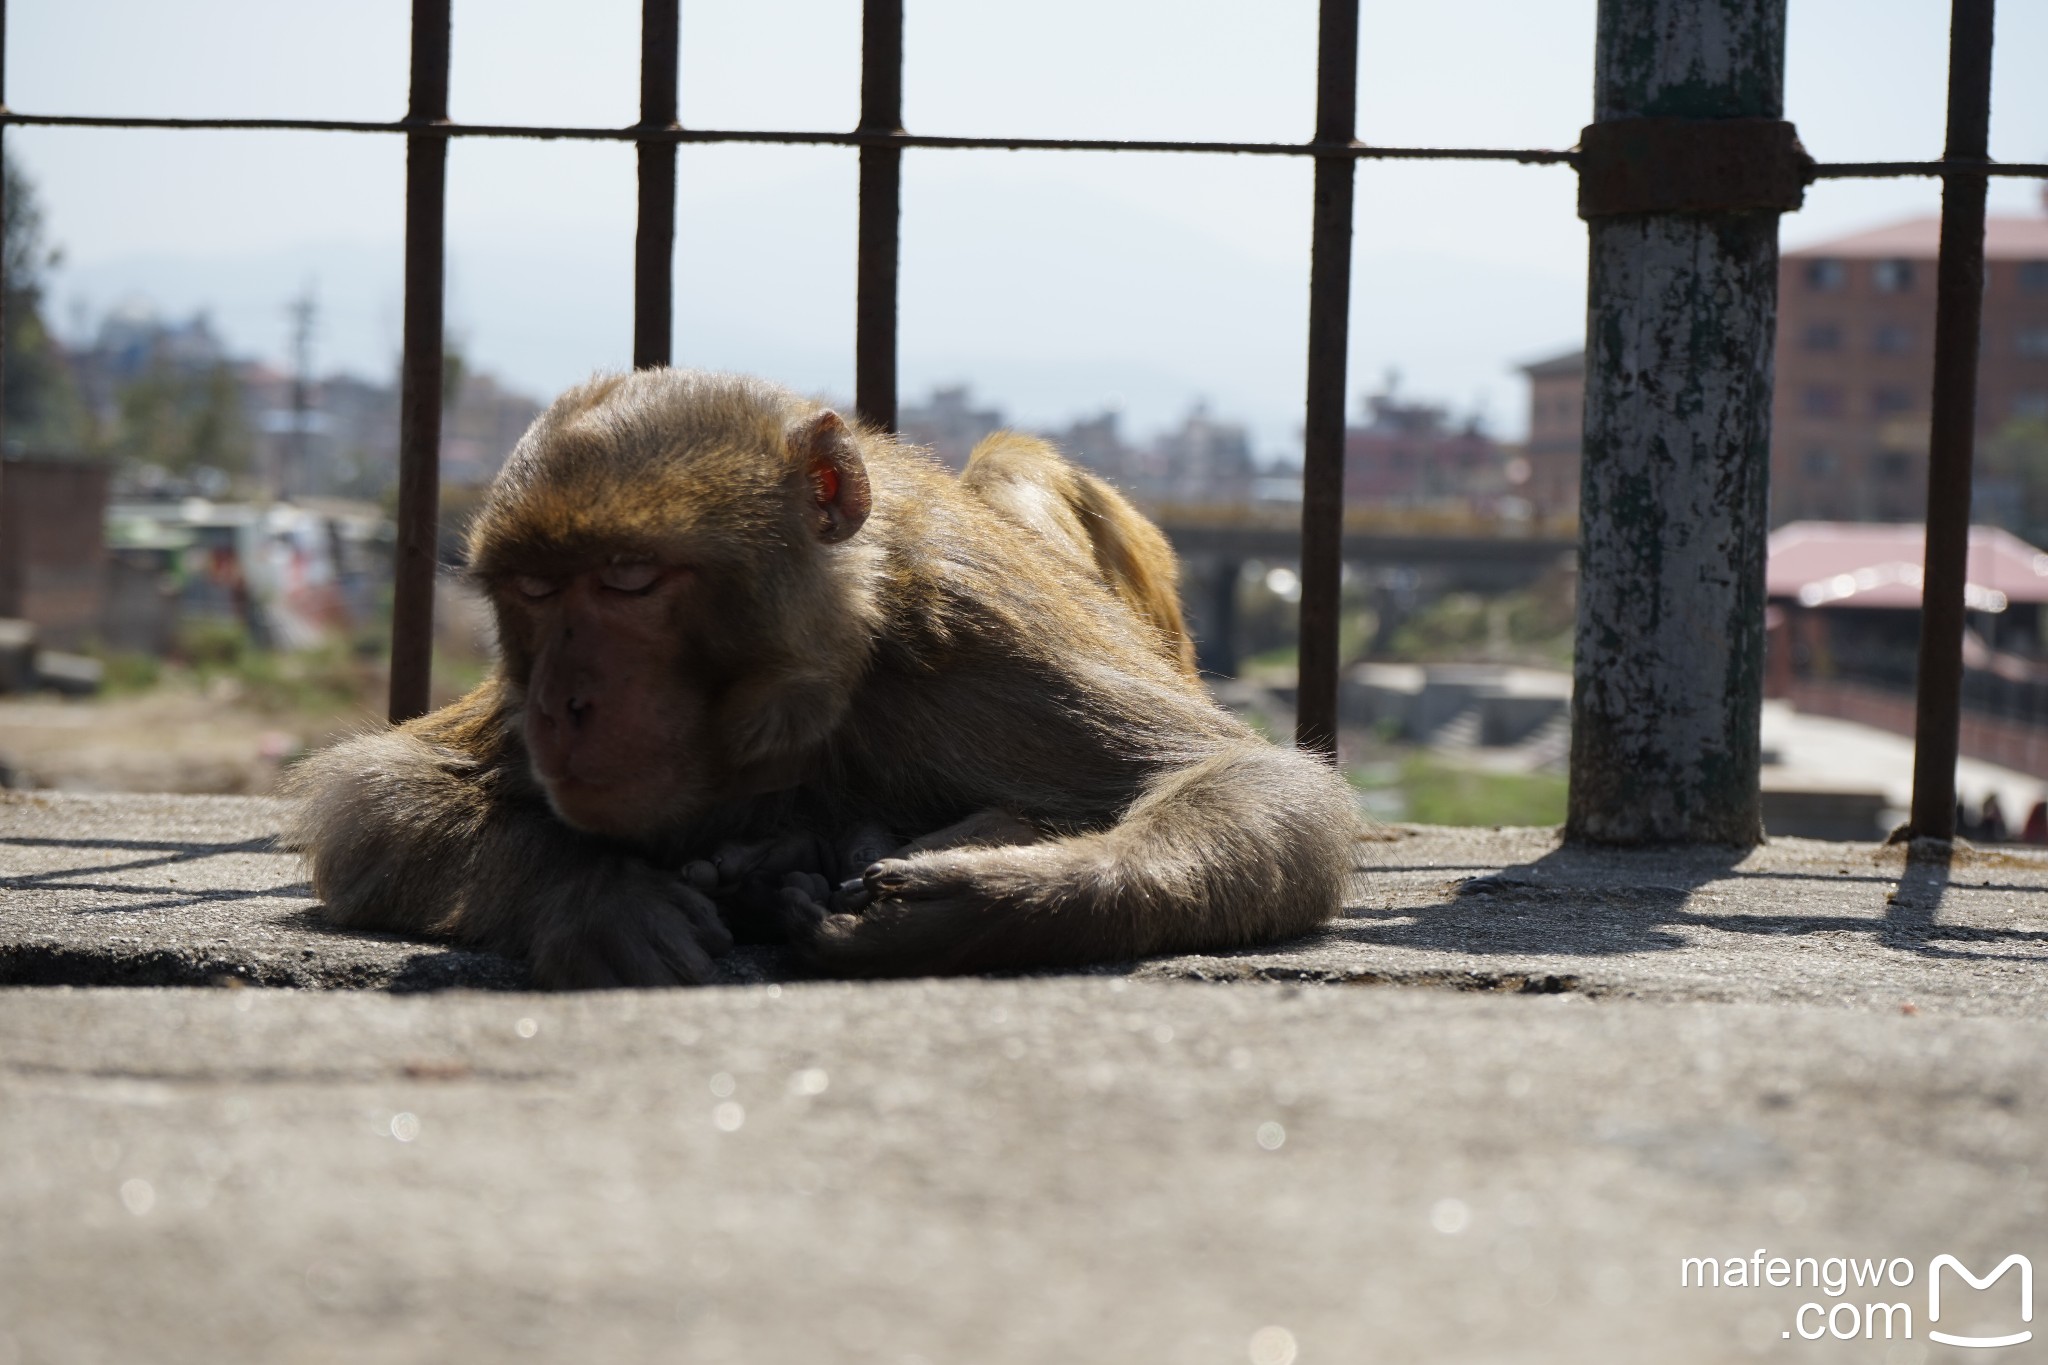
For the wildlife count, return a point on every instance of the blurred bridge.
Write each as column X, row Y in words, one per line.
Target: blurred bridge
column 1419, row 554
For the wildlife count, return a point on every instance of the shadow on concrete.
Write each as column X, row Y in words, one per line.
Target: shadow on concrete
column 136, row 897
column 1595, row 902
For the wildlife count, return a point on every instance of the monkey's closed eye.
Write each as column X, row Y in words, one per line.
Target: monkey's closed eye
column 535, row 588
column 629, row 577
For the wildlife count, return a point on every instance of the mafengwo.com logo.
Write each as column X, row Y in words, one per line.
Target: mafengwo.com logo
column 1859, row 1298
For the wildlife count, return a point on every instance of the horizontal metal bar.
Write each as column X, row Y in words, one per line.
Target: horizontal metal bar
column 638, row 133
column 1364, row 151
column 1875, row 170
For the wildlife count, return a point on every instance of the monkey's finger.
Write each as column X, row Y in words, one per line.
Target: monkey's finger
column 889, row 877
column 851, row 896
column 868, row 844
column 705, row 923
column 735, row 861
column 701, row 874
column 571, row 966
column 679, row 951
column 790, row 854
column 801, row 914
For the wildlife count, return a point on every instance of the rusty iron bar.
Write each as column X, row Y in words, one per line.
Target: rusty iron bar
column 3, row 236
column 860, row 137
column 1939, row 170
column 1361, row 151
column 881, row 197
column 1958, row 316
column 1329, row 327
column 654, row 239
column 419, row 396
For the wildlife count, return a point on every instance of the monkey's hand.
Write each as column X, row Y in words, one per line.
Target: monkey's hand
column 753, row 883
column 626, row 922
column 927, row 910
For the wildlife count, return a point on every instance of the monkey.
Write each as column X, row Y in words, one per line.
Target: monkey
column 727, row 613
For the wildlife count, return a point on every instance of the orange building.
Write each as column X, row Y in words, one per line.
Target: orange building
column 1557, row 428
column 1855, row 364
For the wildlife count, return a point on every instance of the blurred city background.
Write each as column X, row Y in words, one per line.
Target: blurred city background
column 202, row 331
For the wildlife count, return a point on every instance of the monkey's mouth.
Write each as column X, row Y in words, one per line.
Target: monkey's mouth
column 610, row 810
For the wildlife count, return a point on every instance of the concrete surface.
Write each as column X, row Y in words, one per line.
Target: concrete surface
column 1604, row 1063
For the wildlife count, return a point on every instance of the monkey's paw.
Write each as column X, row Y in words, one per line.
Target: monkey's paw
column 931, row 911
column 639, row 925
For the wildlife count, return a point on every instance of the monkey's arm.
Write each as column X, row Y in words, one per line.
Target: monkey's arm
column 433, row 829
column 1248, row 845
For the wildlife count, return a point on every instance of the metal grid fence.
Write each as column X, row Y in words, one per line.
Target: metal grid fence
column 1335, row 149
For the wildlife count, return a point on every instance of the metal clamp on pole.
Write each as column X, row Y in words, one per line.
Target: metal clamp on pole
column 1691, row 165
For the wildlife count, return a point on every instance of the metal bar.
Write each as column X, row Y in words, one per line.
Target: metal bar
column 881, row 187
column 1958, row 315
column 654, row 241
column 419, row 398
column 1940, row 170
column 858, row 138
column 1667, row 692
column 1533, row 156
column 6, row 589
column 1329, row 323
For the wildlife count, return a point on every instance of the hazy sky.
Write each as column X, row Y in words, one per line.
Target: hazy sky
column 1056, row 283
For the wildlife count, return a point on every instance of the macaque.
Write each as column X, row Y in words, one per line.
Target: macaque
column 734, row 626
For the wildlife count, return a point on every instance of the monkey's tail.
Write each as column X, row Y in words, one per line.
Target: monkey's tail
column 1251, row 845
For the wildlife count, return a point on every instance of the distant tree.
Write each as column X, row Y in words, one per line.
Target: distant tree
column 180, row 419
column 42, row 406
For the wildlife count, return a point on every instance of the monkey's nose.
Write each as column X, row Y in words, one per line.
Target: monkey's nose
column 576, row 710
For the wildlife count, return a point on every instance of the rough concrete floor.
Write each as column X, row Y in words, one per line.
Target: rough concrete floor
column 1482, row 1117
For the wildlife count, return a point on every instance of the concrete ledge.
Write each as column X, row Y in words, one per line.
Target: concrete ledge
column 160, row 890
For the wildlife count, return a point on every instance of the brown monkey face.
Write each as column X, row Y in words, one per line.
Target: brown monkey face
column 611, row 713
column 674, row 628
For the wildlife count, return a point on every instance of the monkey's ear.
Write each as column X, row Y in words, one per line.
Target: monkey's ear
column 834, row 477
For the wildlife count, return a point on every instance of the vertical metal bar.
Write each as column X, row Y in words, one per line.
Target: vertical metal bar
column 1667, row 694
column 419, row 395
column 1958, row 315
column 881, row 185
column 1329, row 330
column 654, row 243
column 6, row 588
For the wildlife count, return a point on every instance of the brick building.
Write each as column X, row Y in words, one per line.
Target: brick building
column 1557, row 428
column 1412, row 454
column 53, row 554
column 1855, row 364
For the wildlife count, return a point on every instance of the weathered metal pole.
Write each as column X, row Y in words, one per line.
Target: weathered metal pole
column 1329, row 323
column 419, row 386
column 881, row 185
column 5, row 588
column 1683, row 175
column 654, row 239
column 1952, row 425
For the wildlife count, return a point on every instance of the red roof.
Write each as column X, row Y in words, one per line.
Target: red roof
column 1860, row 564
column 2007, row 237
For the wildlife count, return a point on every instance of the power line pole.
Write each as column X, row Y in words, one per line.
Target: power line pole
column 291, row 474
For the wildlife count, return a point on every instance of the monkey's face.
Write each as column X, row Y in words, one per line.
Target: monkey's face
column 613, row 709
column 680, row 622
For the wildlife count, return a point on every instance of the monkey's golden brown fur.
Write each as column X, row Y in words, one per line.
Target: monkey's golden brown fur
column 726, row 616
